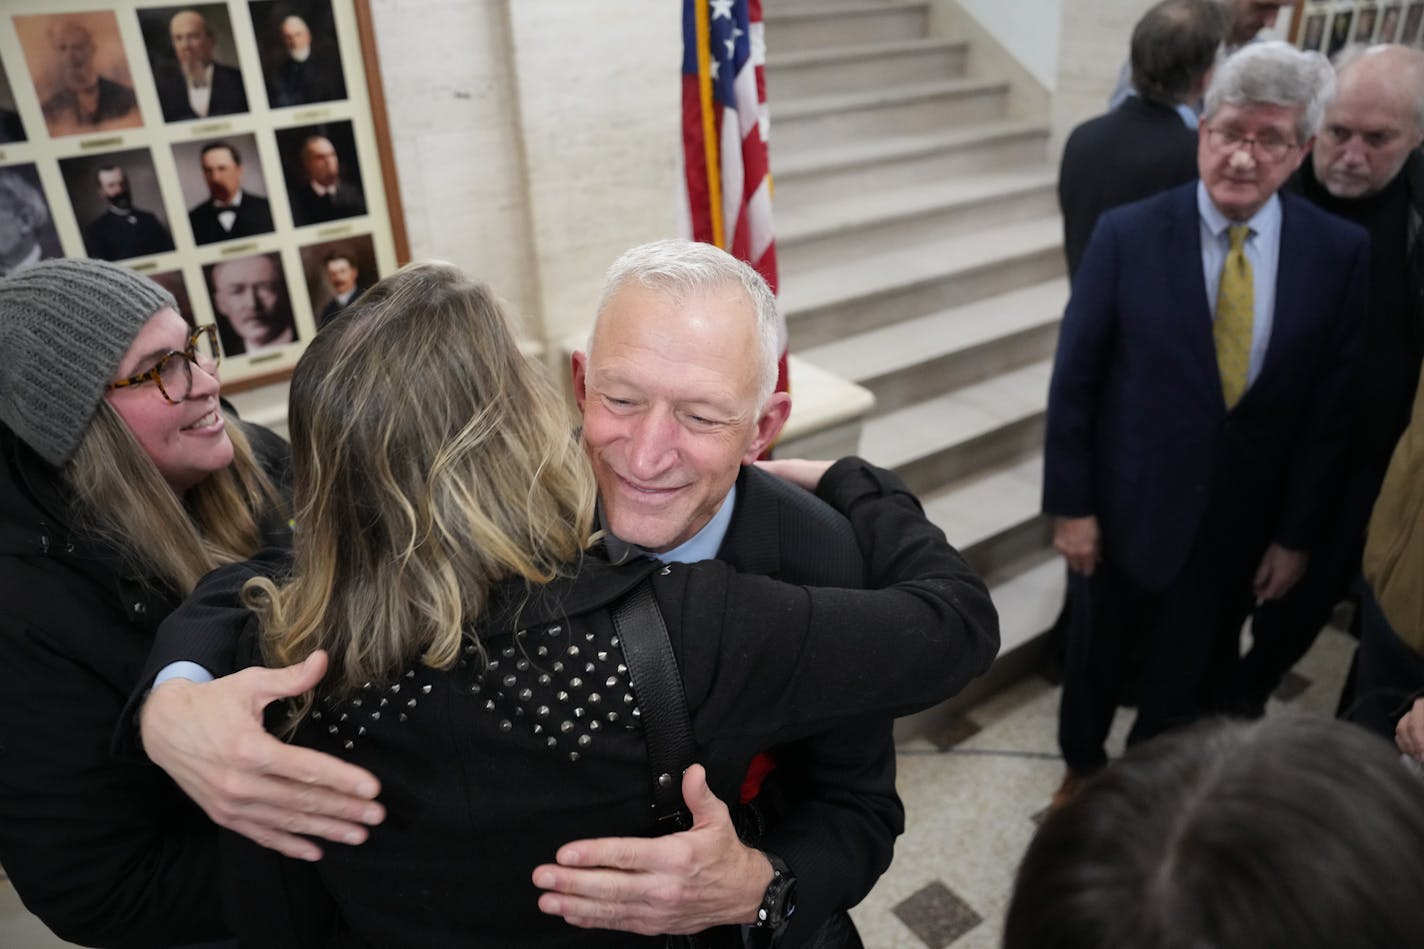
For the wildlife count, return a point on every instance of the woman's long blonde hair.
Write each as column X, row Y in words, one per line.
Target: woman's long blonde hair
column 432, row 460
column 175, row 540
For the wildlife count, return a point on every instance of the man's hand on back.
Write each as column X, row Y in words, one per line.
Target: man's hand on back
column 681, row 883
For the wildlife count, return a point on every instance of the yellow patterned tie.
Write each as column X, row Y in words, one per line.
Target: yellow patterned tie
column 1235, row 316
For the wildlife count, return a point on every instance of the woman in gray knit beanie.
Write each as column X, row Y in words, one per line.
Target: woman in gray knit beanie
column 122, row 481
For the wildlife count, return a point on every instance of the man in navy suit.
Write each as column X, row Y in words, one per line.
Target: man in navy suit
column 199, row 87
column 1197, row 409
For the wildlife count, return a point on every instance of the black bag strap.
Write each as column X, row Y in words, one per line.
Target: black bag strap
column 667, row 730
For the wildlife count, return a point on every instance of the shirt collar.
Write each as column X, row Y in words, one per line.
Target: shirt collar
column 1264, row 223
column 700, row 546
column 207, row 79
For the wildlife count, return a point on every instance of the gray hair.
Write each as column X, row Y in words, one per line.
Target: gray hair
column 1406, row 65
column 1274, row 73
column 681, row 268
column 26, row 201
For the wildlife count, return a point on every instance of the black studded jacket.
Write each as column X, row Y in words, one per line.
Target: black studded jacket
column 489, row 767
column 106, row 851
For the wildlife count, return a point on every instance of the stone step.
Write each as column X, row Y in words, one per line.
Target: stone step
column 832, row 232
column 804, row 26
column 879, row 288
column 829, row 172
column 993, row 516
column 1029, row 598
column 950, row 437
column 863, row 66
column 917, row 359
column 816, row 121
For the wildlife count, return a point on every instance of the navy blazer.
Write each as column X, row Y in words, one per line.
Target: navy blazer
column 1138, row 432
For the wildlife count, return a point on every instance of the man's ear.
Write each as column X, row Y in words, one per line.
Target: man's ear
column 579, row 364
column 769, row 425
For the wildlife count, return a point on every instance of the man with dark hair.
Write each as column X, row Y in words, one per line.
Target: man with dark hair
column 229, row 211
column 199, row 87
column 1198, row 408
column 1293, row 831
column 344, row 278
column 1366, row 168
column 1142, row 146
column 1245, row 19
column 323, row 195
column 122, row 230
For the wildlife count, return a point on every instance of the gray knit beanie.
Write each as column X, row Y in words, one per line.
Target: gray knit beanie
column 64, row 327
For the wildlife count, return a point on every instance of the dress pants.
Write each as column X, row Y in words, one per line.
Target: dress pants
column 1282, row 631
column 1184, row 638
column 1387, row 675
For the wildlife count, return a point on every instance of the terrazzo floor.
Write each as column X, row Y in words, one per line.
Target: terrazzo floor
column 973, row 797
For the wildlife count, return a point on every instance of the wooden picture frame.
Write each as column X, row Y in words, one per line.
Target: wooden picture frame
column 279, row 101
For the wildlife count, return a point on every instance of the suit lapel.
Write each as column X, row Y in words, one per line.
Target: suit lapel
column 1290, row 301
column 752, row 543
column 1187, row 303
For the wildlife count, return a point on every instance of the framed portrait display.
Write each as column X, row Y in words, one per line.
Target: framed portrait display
column 1331, row 25
column 235, row 152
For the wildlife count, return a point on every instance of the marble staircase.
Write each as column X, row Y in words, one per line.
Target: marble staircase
column 921, row 258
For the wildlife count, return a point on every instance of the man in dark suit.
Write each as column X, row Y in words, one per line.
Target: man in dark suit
column 674, row 411
column 344, row 278
column 1245, row 19
column 1197, row 409
column 229, row 211
column 306, row 73
column 323, row 195
column 1366, row 168
column 122, row 230
column 1142, row 146
column 199, row 87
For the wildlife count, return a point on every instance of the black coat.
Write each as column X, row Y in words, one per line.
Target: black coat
column 308, row 207
column 106, row 850
column 487, row 771
column 254, row 216
column 113, row 236
column 1136, row 150
column 831, row 809
column 319, row 79
column 228, row 96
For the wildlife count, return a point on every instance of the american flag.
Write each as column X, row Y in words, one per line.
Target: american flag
column 724, row 134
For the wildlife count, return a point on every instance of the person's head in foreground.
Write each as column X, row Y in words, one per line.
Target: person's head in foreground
column 1292, row 831
column 105, row 383
column 432, row 460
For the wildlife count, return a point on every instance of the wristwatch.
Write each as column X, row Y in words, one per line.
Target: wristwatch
column 778, row 903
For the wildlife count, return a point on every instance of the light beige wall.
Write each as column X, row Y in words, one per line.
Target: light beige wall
column 1093, row 42
column 599, row 93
